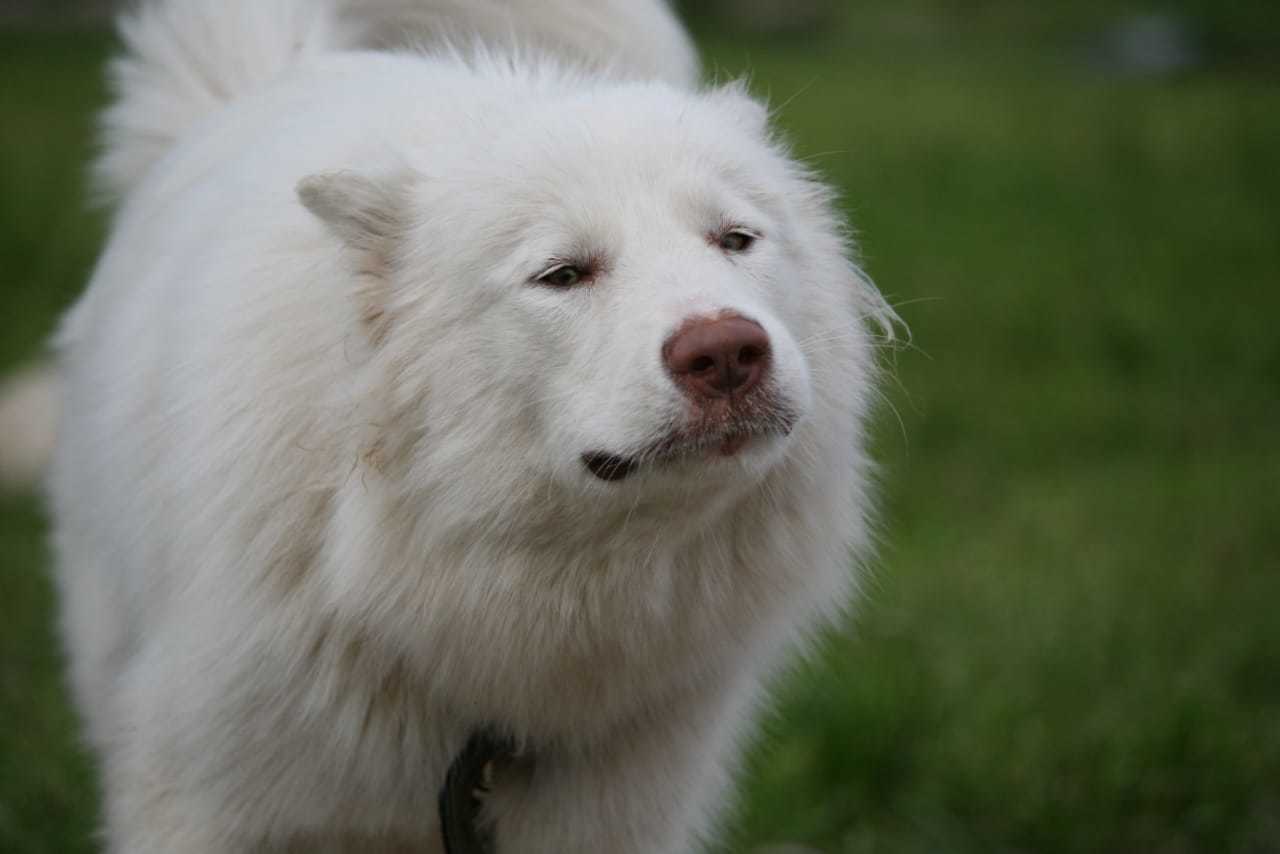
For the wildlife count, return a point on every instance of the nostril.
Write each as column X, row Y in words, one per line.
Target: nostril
column 702, row 364
column 750, row 354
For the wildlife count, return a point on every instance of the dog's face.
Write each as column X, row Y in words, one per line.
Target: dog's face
column 627, row 291
column 651, row 274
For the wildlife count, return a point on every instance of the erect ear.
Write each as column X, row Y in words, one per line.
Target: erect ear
column 368, row 216
column 362, row 212
column 748, row 113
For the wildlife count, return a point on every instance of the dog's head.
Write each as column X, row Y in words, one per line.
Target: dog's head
column 609, row 294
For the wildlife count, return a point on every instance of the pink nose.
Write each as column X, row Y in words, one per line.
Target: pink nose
column 717, row 357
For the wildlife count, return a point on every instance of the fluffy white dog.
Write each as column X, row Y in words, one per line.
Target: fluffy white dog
column 421, row 400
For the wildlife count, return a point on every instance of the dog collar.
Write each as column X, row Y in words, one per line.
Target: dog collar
column 469, row 779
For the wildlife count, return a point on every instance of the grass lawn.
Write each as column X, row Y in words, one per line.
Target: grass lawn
column 1071, row 639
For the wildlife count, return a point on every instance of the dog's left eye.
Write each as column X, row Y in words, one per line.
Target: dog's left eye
column 561, row 276
column 737, row 240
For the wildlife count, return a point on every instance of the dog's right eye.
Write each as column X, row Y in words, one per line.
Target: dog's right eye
column 561, row 276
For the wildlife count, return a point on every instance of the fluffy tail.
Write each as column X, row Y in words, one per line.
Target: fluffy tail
column 28, row 419
column 184, row 59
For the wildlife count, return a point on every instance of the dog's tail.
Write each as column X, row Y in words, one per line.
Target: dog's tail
column 184, row 59
column 28, row 420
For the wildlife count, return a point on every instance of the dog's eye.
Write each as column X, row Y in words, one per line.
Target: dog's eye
column 562, row 276
column 737, row 240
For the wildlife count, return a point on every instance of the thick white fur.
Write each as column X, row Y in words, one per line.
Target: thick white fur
column 320, row 509
column 185, row 58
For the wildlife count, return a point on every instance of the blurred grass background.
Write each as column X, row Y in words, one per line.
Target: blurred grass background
column 1071, row 640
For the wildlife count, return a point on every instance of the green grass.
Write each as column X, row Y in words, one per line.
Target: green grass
column 49, row 86
column 1071, row 642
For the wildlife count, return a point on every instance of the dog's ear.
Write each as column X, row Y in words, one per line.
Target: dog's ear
column 362, row 212
column 744, row 110
column 368, row 217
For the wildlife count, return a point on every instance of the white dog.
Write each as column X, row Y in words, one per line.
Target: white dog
column 424, row 400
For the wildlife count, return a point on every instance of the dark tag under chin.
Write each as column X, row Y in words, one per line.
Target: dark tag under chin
column 469, row 779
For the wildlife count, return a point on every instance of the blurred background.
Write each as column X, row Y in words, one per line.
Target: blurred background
column 1070, row 641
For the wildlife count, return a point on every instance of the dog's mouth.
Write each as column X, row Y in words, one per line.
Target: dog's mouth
column 714, row 438
column 610, row 467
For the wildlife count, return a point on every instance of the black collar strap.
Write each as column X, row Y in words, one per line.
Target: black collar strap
column 470, row 777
